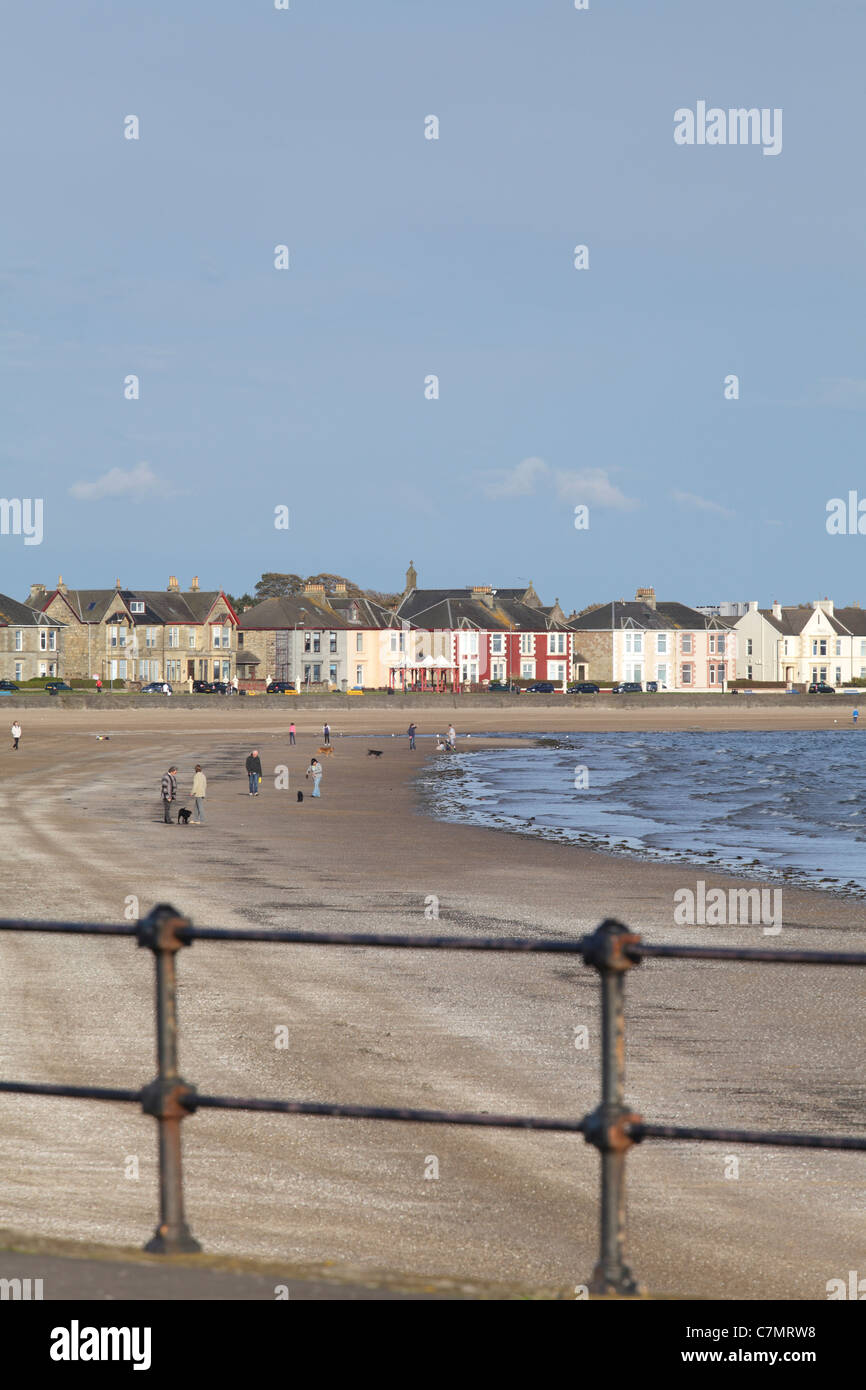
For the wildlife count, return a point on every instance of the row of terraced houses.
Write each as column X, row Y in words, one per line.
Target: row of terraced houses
column 450, row 639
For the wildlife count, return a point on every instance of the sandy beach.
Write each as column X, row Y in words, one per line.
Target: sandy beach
column 730, row 1045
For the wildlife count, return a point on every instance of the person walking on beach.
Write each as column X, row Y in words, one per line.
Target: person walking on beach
column 411, row 731
column 254, row 771
column 199, row 792
column 452, row 737
column 326, row 735
column 98, row 686
column 315, row 771
column 292, row 735
column 169, row 792
column 16, row 734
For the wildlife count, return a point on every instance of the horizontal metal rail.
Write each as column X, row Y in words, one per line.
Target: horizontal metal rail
column 611, row 1128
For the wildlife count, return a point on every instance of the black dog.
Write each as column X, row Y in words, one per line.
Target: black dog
column 300, row 796
column 374, row 752
column 183, row 817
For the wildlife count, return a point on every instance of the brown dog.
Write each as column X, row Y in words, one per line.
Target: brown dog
column 326, row 751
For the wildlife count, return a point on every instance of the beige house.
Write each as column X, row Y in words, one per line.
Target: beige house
column 676, row 646
column 31, row 643
column 802, row 644
column 335, row 640
column 143, row 635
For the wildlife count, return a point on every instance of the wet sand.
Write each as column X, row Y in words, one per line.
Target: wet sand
column 736, row 1045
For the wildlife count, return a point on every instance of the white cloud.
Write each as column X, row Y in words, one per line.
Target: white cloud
column 136, row 483
column 592, row 487
column 520, row 481
column 701, row 504
column 846, row 391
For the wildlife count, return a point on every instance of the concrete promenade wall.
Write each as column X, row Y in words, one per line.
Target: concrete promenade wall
column 302, row 703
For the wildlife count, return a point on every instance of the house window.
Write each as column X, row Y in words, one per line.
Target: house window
column 662, row 674
column 332, row 642
column 687, row 674
column 526, row 644
column 838, row 646
column 496, row 647
column 332, row 675
column 19, row 670
column 633, row 644
column 317, row 645
column 398, row 642
column 190, row 637
column 662, row 644
column 687, row 645
column 556, row 671
column 136, row 606
column 359, row 643
column 359, row 673
column 497, row 670
column 712, row 644
column 527, row 670
column 19, row 640
column 47, row 640
column 142, row 670
column 863, row 647
column 174, row 637
column 150, row 636
column 838, row 675
column 720, row 644
column 748, row 646
column 308, row 641
column 556, row 643
column 313, row 673
column 43, row 640
column 819, row 647
column 216, row 635
column 748, row 673
column 122, row 670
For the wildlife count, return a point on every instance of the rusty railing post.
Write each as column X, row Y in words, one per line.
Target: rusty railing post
column 607, row 1125
column 168, row 1097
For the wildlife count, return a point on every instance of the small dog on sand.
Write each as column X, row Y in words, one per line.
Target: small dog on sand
column 326, row 751
column 183, row 816
column 374, row 752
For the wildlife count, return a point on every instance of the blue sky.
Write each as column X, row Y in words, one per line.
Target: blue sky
column 453, row 257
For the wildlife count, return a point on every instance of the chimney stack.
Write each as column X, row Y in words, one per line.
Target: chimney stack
column 753, row 605
column 647, row 596
column 194, row 584
column 38, row 592
column 61, row 586
column 173, row 586
column 777, row 608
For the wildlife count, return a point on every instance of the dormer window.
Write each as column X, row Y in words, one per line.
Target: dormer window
column 136, row 606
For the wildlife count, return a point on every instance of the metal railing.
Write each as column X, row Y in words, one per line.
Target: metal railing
column 612, row 949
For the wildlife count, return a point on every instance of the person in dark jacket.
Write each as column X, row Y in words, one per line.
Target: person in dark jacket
column 254, row 771
column 169, row 793
column 412, row 731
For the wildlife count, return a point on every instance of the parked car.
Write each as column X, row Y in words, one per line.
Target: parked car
column 583, row 688
column 821, row 688
column 8, row 685
column 541, row 688
column 54, row 686
column 155, row 688
column 504, row 687
column 281, row 688
column 203, row 688
column 628, row 688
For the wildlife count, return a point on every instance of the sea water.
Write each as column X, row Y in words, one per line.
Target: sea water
column 788, row 806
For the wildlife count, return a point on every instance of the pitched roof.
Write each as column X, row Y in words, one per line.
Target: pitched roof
column 15, row 614
column 664, row 617
column 161, row 606
column 794, row 619
column 335, row 612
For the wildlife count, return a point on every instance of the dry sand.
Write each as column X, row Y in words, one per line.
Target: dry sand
column 735, row 1045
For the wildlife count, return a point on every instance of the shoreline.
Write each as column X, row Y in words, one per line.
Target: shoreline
column 728, row 1045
